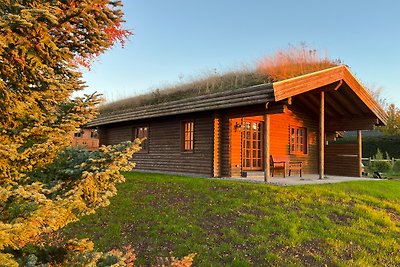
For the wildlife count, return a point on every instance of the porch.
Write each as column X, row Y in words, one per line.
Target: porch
column 309, row 113
column 258, row 177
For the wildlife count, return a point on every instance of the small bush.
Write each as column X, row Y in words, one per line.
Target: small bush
column 381, row 166
column 396, row 166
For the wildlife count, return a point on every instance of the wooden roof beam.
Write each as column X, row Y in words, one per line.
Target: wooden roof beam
column 315, row 100
column 350, row 124
column 338, row 108
column 300, row 102
column 347, row 104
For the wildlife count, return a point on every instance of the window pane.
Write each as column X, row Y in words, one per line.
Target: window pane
column 298, row 139
column 188, row 136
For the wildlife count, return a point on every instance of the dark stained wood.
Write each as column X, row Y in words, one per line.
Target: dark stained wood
column 359, row 144
column 234, row 98
column 342, row 159
column 267, row 145
column 315, row 100
column 165, row 147
column 338, row 108
column 302, row 104
column 323, row 102
column 322, row 137
column 348, row 106
column 349, row 124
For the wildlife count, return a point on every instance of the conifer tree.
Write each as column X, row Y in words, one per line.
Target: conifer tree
column 45, row 185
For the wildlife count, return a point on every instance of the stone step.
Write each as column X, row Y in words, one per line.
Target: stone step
column 253, row 174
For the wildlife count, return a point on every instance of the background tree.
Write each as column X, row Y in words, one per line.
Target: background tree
column 393, row 112
column 44, row 185
column 393, row 123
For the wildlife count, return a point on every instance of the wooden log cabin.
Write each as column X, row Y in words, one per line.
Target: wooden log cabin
column 231, row 133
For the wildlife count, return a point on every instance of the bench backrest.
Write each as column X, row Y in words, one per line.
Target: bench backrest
column 285, row 158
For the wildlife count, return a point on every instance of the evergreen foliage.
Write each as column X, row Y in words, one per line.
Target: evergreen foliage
column 43, row 184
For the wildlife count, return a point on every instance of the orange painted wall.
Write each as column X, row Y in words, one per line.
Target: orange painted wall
column 85, row 141
column 280, row 138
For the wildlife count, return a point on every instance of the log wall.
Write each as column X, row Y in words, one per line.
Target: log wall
column 165, row 144
column 342, row 159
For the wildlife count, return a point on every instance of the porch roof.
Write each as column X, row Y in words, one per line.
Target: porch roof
column 348, row 105
column 346, row 101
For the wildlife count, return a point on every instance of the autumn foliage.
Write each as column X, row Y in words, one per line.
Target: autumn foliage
column 294, row 61
column 44, row 184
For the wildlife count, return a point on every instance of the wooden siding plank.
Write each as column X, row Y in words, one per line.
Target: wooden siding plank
column 342, row 159
column 280, row 137
column 165, row 145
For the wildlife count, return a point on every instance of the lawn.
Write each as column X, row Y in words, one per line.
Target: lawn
column 241, row 224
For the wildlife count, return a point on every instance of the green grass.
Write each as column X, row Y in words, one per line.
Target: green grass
column 242, row 224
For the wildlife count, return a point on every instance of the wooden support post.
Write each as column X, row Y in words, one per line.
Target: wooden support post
column 322, row 137
column 267, row 174
column 359, row 141
column 217, row 145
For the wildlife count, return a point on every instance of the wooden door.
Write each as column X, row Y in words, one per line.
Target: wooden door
column 252, row 145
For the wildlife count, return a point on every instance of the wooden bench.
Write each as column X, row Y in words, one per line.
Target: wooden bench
column 283, row 163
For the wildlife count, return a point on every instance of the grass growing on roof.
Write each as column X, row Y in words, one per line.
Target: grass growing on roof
column 243, row 224
column 212, row 83
column 284, row 64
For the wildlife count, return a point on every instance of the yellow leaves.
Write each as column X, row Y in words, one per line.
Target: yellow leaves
column 8, row 260
column 80, row 245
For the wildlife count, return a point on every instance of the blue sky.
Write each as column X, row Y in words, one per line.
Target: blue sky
column 182, row 39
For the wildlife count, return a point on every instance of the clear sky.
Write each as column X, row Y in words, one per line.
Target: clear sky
column 179, row 39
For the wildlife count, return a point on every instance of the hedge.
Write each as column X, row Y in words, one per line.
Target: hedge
column 389, row 144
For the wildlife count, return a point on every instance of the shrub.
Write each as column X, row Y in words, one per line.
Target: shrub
column 396, row 166
column 381, row 166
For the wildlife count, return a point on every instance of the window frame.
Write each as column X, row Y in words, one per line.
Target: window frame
column 191, row 139
column 94, row 134
column 294, row 146
column 79, row 133
column 145, row 149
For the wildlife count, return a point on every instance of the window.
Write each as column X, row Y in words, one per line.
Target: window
column 142, row 132
column 298, row 140
column 187, row 135
column 94, row 134
column 78, row 134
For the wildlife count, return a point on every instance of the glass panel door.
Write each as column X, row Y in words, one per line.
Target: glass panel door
column 252, row 146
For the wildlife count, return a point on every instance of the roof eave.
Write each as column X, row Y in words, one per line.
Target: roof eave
column 301, row 84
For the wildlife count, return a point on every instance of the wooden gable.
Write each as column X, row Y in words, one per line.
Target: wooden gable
column 346, row 99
